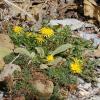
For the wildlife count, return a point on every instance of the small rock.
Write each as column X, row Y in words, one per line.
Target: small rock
column 95, row 98
column 1, row 95
column 6, row 47
column 73, row 23
column 71, row 97
column 43, row 66
column 83, row 92
column 8, row 70
column 80, row 81
column 87, row 36
column 5, row 41
column 43, row 88
column 98, row 85
column 4, row 52
column 87, row 86
column 97, row 92
column 97, row 53
column 42, row 85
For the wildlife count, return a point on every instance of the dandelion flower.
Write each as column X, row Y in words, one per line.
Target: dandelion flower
column 39, row 39
column 46, row 32
column 50, row 58
column 76, row 67
column 17, row 29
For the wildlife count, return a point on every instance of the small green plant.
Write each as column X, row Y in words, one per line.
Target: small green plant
column 89, row 72
column 61, row 76
column 55, row 94
column 53, row 46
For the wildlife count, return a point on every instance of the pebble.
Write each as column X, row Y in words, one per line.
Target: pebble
column 87, row 86
column 80, row 81
column 98, row 85
column 94, row 98
column 83, row 92
column 72, row 97
column 1, row 95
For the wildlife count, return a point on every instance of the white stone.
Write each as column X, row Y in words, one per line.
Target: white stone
column 83, row 93
column 73, row 23
column 1, row 95
column 98, row 85
column 80, row 81
column 87, row 86
column 8, row 70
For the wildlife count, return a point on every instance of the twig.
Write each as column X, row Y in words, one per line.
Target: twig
column 15, row 59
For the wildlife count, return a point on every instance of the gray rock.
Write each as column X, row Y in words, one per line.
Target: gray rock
column 97, row 98
column 44, row 88
column 98, row 85
column 94, row 98
column 80, row 81
column 72, row 97
column 5, row 41
column 73, row 23
column 1, row 95
column 87, row 86
column 97, row 53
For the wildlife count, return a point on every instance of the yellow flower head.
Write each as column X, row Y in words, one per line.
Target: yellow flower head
column 76, row 66
column 46, row 32
column 29, row 34
column 50, row 58
column 17, row 29
column 39, row 38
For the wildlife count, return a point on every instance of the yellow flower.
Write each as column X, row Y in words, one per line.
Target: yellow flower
column 46, row 32
column 17, row 29
column 39, row 38
column 29, row 34
column 50, row 58
column 76, row 66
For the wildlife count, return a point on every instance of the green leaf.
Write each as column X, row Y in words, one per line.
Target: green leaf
column 61, row 48
column 4, row 52
column 33, row 55
column 24, row 51
column 40, row 51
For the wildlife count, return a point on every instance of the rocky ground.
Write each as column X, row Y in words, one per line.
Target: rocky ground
column 85, row 89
